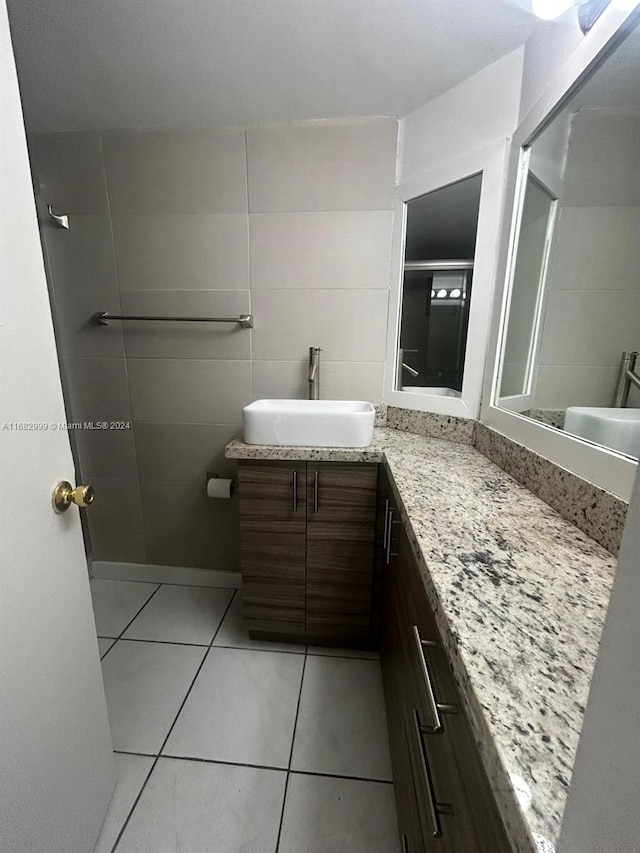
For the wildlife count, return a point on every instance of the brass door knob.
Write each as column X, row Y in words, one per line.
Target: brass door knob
column 64, row 495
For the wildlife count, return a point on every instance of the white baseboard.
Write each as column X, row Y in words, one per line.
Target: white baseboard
column 180, row 575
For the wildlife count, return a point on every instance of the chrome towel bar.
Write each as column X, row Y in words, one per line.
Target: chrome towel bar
column 244, row 320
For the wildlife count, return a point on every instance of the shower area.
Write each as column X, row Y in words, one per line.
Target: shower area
column 150, row 404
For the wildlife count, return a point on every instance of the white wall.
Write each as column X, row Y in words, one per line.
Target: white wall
column 482, row 109
column 547, row 49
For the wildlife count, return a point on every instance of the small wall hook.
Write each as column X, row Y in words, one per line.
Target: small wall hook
column 62, row 220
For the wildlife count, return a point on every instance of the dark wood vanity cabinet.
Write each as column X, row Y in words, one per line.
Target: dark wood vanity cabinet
column 307, row 547
column 443, row 797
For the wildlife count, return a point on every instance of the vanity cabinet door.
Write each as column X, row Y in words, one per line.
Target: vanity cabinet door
column 272, row 496
column 396, row 680
column 454, row 803
column 273, row 545
column 341, row 516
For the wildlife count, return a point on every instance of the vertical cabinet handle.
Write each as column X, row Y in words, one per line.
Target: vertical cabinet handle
column 315, row 491
column 436, row 708
column 295, row 491
column 405, row 844
column 386, row 523
column 433, row 806
column 388, row 545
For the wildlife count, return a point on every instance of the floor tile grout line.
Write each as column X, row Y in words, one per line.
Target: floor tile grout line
column 284, row 803
column 270, row 767
column 224, row 616
column 119, row 637
column 131, row 621
column 165, row 642
column 206, row 646
column 341, row 657
column 159, row 642
column 135, row 803
column 262, row 651
column 167, row 583
column 175, row 720
column 293, row 739
column 295, row 722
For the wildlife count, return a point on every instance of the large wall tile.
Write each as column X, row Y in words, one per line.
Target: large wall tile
column 599, row 137
column 116, row 507
column 348, row 325
column 109, row 453
column 597, row 248
column 81, row 258
column 339, row 380
column 279, row 380
column 590, row 327
column 118, row 546
column 559, row 386
column 348, row 166
column 352, row 381
column 176, row 171
column 70, row 171
column 183, row 527
column 183, row 451
column 350, row 249
column 145, row 339
column 182, row 251
column 77, row 333
column 115, row 521
column 188, row 390
column 98, row 389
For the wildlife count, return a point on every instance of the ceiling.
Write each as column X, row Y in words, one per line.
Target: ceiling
column 90, row 64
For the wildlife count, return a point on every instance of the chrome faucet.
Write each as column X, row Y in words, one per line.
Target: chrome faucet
column 626, row 376
column 314, row 373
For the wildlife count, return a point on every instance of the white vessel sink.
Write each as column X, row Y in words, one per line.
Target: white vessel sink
column 618, row 429
column 309, row 423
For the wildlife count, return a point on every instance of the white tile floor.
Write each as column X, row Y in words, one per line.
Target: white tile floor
column 226, row 745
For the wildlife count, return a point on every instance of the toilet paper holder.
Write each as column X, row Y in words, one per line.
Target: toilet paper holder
column 212, row 475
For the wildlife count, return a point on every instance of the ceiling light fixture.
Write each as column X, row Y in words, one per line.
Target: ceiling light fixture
column 549, row 10
column 588, row 10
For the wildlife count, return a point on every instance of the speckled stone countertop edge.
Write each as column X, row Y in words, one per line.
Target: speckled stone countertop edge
column 388, row 443
column 508, row 805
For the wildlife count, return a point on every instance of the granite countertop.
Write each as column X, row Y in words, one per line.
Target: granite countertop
column 520, row 596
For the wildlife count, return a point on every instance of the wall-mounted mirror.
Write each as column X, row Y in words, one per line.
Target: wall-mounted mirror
column 573, row 311
column 436, row 288
column 445, row 232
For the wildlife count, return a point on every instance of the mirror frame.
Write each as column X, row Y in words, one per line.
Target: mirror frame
column 523, row 400
column 606, row 468
column 491, row 161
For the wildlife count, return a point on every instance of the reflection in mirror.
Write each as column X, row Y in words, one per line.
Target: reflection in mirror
column 527, row 288
column 573, row 324
column 436, row 290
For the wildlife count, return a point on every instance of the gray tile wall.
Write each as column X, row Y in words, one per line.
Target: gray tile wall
column 291, row 223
